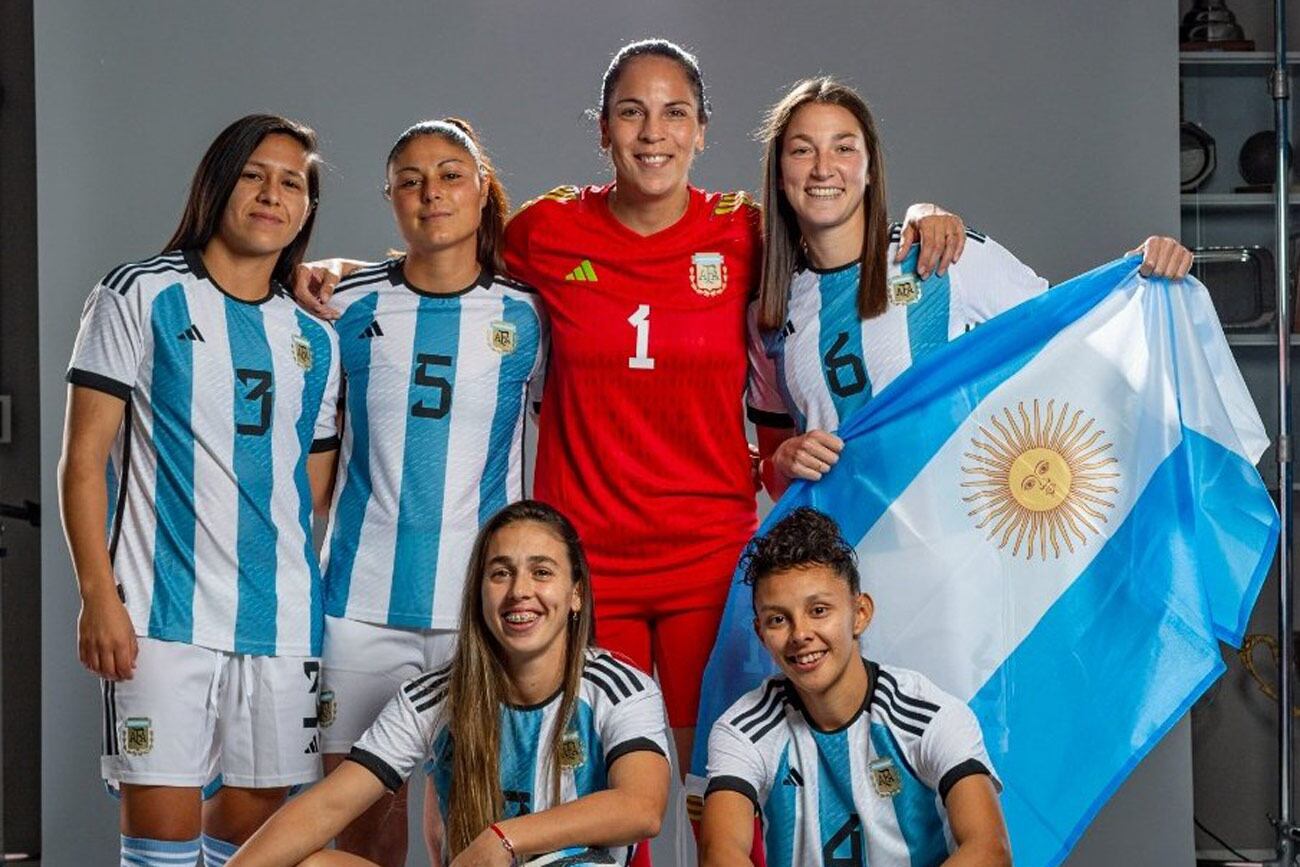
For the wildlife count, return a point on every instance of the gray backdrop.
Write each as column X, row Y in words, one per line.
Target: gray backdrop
column 1050, row 125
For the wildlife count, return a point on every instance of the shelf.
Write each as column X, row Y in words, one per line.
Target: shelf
column 1230, row 201
column 1257, row 339
column 1233, row 58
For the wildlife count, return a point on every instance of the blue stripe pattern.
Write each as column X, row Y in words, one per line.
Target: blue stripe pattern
column 171, row 615
column 315, row 380
column 440, row 770
column 512, row 382
column 927, row 318
column 914, row 807
column 253, row 462
column 779, row 813
column 835, row 796
column 589, row 776
column 839, row 351
column 521, row 737
column 144, row 852
column 1106, row 621
column 354, row 355
column 424, row 461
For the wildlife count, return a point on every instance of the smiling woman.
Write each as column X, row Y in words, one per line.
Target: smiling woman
column 213, row 397
column 559, row 747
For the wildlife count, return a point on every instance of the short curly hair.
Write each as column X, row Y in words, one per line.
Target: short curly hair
column 805, row 537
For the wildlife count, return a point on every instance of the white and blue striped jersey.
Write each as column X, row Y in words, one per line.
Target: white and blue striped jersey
column 435, row 395
column 619, row 711
column 827, row 362
column 870, row 792
column 211, row 538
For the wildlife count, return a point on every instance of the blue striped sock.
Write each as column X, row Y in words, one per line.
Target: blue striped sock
column 143, row 852
column 217, row 852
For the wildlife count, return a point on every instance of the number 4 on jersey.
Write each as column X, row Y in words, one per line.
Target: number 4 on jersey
column 640, row 320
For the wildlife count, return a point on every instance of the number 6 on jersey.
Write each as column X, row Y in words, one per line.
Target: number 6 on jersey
column 640, row 320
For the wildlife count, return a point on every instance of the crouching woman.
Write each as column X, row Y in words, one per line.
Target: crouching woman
column 539, row 742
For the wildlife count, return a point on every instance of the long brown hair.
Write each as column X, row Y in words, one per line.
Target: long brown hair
column 478, row 681
column 781, row 235
column 215, row 179
column 492, row 225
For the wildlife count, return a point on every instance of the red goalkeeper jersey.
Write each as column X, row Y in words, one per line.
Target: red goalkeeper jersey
column 641, row 437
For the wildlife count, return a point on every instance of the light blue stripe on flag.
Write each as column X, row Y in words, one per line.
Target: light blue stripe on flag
column 315, row 379
column 424, row 461
column 354, row 355
column 1101, row 646
column 253, row 459
column 512, row 374
column 171, row 615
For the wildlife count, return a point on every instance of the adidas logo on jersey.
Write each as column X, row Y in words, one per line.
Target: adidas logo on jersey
column 792, row 778
column 372, row 330
column 584, row 273
column 191, row 333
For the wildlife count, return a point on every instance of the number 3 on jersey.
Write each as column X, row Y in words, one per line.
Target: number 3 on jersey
column 640, row 320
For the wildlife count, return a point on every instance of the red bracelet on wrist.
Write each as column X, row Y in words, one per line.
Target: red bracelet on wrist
column 506, row 844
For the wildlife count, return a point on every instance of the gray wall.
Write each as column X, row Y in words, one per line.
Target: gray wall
column 1049, row 125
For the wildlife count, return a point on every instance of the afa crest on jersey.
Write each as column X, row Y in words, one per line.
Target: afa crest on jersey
column 885, row 778
column 302, row 354
column 327, row 709
column 708, row 274
column 571, row 753
column 502, row 337
column 904, row 289
column 137, row 737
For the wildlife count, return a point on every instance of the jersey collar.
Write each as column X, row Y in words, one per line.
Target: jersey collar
column 792, row 697
column 397, row 275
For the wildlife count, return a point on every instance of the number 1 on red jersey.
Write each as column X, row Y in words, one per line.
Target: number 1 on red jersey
column 640, row 320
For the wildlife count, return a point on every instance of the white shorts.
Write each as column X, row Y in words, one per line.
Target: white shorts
column 191, row 713
column 364, row 664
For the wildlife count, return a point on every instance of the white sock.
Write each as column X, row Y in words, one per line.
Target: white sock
column 143, row 852
column 217, row 852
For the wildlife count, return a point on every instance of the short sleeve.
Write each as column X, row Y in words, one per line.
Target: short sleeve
column 635, row 722
column 764, row 404
column 325, row 437
column 515, row 246
column 952, row 748
column 990, row 280
column 735, row 765
column 110, row 343
column 399, row 739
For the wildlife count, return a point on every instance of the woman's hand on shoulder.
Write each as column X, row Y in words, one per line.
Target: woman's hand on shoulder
column 1163, row 256
column 942, row 236
column 808, row 456
column 314, row 284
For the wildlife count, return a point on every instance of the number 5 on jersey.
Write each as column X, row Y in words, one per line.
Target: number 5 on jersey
column 640, row 320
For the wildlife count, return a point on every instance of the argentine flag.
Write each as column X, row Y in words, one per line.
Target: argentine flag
column 1059, row 517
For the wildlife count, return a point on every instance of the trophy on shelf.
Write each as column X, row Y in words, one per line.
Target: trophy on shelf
column 1210, row 26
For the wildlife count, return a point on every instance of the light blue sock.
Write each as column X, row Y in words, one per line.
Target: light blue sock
column 143, row 852
column 217, row 852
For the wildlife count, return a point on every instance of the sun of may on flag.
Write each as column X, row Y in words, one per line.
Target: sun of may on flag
column 1059, row 518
